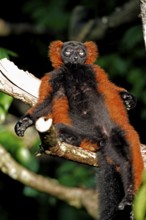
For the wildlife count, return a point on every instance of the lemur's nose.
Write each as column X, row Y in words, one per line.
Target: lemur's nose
column 75, row 58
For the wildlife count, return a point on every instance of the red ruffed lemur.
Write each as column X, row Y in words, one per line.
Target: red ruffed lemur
column 90, row 112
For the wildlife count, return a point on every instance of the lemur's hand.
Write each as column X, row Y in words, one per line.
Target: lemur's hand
column 129, row 99
column 22, row 125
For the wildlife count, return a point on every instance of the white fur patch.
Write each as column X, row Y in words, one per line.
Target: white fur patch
column 42, row 125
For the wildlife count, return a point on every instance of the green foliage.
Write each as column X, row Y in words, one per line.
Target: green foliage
column 28, row 191
column 140, row 201
column 5, row 53
column 73, row 174
column 15, row 146
column 128, row 65
column 51, row 14
column 132, row 38
column 10, row 141
column 5, row 102
column 114, row 64
column 71, row 213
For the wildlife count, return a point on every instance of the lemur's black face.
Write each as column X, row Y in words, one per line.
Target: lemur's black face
column 73, row 53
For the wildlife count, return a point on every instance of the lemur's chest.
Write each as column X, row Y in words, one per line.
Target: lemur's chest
column 81, row 91
column 79, row 86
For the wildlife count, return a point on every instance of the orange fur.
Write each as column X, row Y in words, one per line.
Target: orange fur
column 112, row 99
column 111, row 96
column 45, row 87
column 54, row 53
column 109, row 160
column 92, row 52
column 55, row 49
column 113, row 102
column 87, row 145
column 44, row 91
column 120, row 117
column 60, row 111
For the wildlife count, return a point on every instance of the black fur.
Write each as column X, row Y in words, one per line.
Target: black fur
column 110, row 192
column 91, row 121
column 86, row 105
column 88, row 111
column 73, row 52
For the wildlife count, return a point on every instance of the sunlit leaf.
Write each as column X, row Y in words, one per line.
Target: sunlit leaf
column 15, row 146
column 140, row 200
column 5, row 53
column 5, row 102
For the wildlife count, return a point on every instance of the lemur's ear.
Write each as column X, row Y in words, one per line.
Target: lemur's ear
column 54, row 53
column 92, row 52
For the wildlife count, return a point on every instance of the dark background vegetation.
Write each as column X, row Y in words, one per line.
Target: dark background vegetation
column 122, row 55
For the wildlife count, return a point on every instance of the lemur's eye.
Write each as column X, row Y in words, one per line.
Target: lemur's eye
column 82, row 53
column 68, row 52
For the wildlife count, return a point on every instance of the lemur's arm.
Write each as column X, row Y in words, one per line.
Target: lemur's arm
column 42, row 108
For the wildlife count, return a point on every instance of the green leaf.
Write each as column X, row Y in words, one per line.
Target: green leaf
column 5, row 102
column 140, row 204
column 14, row 145
column 71, row 174
column 50, row 14
column 5, row 53
column 140, row 200
column 28, row 191
column 144, row 176
column 114, row 64
column 132, row 38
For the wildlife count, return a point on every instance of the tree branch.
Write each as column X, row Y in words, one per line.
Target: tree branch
column 24, row 86
column 17, row 83
column 67, row 151
column 7, row 28
column 11, row 79
column 143, row 16
column 76, row 197
column 82, row 28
